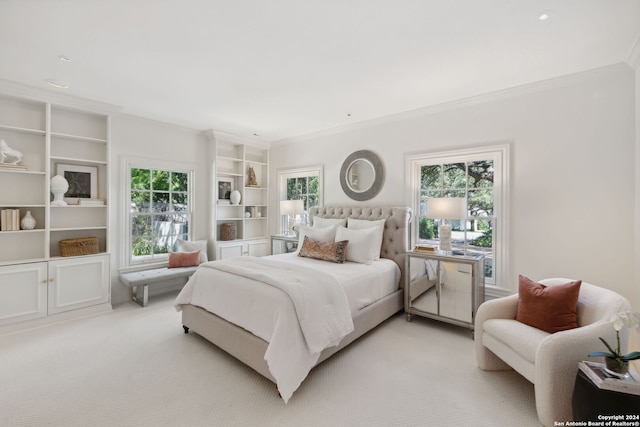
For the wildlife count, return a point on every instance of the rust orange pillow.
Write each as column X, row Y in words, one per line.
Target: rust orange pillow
column 550, row 308
column 184, row 259
column 325, row 251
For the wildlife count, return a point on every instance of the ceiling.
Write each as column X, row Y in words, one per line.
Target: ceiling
column 276, row 69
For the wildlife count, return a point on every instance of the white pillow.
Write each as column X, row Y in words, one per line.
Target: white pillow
column 326, row 234
column 359, row 224
column 361, row 243
column 195, row 245
column 328, row 222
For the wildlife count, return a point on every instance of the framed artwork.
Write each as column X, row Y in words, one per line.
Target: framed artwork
column 225, row 187
column 83, row 182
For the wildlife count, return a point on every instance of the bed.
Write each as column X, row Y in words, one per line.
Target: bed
column 229, row 304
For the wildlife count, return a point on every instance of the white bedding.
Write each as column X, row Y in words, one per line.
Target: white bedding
column 268, row 313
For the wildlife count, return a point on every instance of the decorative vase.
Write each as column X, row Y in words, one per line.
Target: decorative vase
column 235, row 197
column 59, row 186
column 28, row 222
column 617, row 366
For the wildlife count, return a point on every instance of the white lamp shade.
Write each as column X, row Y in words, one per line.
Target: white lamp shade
column 447, row 208
column 291, row 207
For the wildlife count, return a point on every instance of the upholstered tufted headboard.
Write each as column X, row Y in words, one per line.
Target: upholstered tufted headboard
column 395, row 240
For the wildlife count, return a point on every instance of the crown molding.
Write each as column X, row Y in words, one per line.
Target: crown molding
column 214, row 135
column 500, row 95
column 38, row 94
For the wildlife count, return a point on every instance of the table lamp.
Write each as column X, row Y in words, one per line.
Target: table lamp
column 446, row 208
column 290, row 208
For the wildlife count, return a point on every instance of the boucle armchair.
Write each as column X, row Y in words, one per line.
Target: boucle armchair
column 549, row 361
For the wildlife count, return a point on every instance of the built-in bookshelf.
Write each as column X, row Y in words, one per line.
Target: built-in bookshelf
column 241, row 165
column 35, row 280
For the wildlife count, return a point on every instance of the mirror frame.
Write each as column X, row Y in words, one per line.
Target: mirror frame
column 378, row 170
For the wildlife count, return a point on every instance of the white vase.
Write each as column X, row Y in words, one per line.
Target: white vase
column 28, row 222
column 235, row 197
column 59, row 186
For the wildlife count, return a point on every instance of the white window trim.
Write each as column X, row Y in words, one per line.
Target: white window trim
column 128, row 162
column 285, row 174
column 500, row 154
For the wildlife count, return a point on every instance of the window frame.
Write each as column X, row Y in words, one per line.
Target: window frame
column 500, row 154
column 129, row 163
column 285, row 174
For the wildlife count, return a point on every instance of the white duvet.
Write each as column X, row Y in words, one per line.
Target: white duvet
column 269, row 312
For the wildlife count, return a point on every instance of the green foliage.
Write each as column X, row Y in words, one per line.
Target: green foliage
column 304, row 188
column 484, row 241
column 165, row 194
column 427, row 229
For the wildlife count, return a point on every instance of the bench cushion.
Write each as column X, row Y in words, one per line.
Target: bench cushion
column 145, row 277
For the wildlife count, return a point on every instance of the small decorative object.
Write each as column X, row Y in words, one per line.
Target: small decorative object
column 228, row 231
column 59, row 186
column 247, row 214
column 252, row 178
column 8, row 155
column 617, row 363
column 82, row 181
column 79, row 246
column 258, row 214
column 28, row 222
column 225, row 187
column 235, row 197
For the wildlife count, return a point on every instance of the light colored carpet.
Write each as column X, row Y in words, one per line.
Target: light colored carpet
column 136, row 367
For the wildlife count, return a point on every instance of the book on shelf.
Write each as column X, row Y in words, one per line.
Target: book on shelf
column 597, row 373
column 10, row 166
column 425, row 248
column 90, row 202
column 10, row 220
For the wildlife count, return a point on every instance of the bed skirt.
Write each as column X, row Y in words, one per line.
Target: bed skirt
column 250, row 349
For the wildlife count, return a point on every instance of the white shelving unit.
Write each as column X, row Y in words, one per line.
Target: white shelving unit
column 233, row 157
column 35, row 280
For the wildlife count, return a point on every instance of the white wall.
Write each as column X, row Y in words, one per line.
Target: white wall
column 132, row 136
column 572, row 168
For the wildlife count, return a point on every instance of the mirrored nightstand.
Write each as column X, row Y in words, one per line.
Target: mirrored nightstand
column 283, row 243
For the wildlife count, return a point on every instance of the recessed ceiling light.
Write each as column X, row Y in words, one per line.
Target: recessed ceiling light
column 348, row 114
column 255, row 134
column 56, row 84
column 64, row 58
column 545, row 15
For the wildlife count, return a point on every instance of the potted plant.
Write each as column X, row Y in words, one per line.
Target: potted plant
column 615, row 361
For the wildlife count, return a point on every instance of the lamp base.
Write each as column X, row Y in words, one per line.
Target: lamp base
column 445, row 237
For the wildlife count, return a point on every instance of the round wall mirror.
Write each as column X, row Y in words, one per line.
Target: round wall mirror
column 362, row 175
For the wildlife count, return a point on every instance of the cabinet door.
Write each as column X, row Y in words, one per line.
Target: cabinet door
column 78, row 282
column 23, row 292
column 456, row 288
column 257, row 248
column 422, row 293
column 229, row 250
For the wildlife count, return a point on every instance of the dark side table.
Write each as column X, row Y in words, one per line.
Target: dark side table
column 590, row 402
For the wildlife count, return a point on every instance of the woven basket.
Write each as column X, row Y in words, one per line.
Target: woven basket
column 80, row 246
column 228, row 231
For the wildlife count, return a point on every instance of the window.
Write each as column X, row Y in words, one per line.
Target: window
column 301, row 184
column 159, row 197
column 479, row 176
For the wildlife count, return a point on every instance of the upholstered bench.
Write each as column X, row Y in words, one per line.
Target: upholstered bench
column 139, row 281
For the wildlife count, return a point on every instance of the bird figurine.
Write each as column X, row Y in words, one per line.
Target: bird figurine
column 9, row 155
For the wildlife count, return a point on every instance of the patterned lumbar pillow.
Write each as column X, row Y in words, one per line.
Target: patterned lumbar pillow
column 325, row 251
